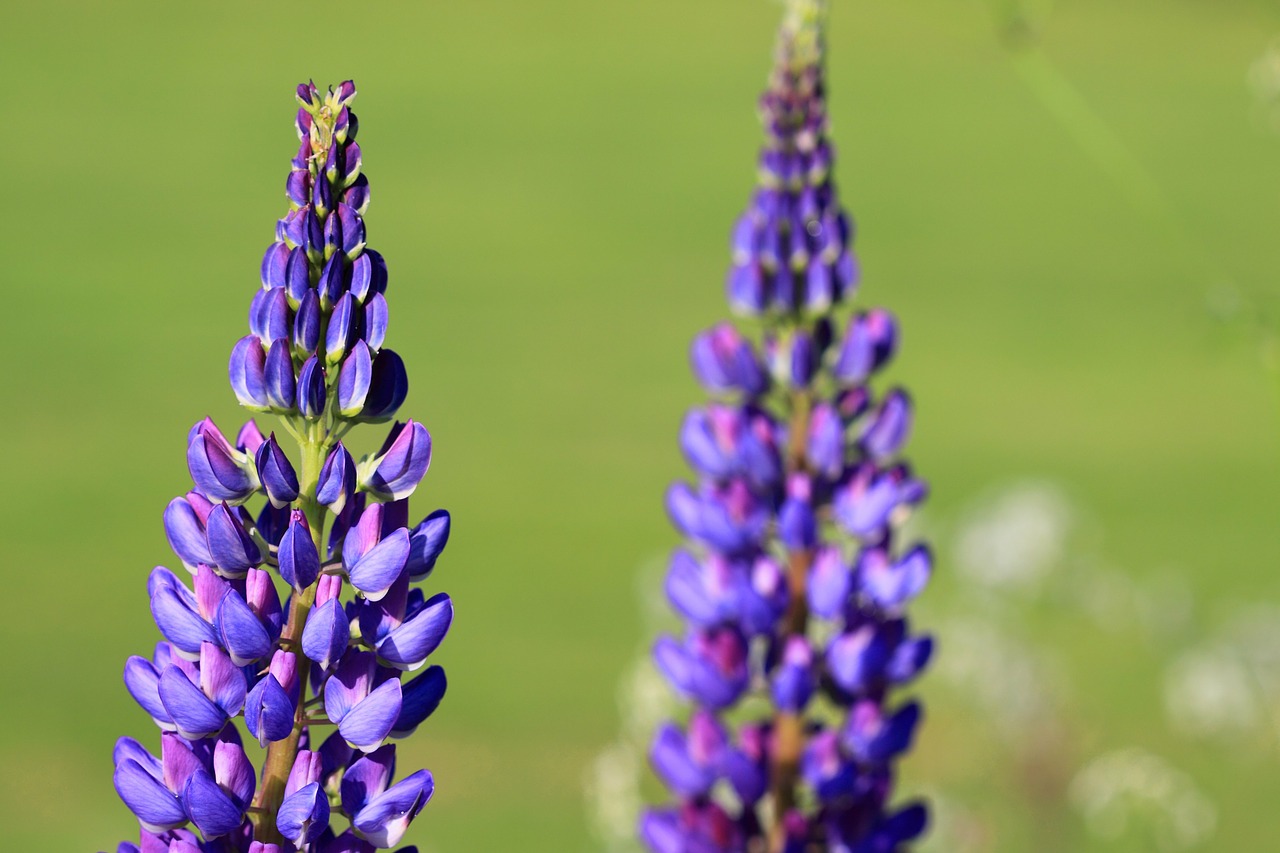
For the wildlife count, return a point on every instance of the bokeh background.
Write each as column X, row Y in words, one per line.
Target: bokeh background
column 1072, row 207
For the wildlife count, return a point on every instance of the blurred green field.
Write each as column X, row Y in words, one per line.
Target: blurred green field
column 553, row 184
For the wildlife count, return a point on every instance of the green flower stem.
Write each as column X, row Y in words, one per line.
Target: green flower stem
column 282, row 753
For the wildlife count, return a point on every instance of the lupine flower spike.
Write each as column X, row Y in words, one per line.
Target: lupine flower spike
column 317, row 679
column 794, row 580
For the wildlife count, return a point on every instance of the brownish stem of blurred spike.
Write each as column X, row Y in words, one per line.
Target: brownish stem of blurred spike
column 788, row 728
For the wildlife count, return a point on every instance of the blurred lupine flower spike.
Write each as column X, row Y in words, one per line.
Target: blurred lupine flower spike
column 795, row 580
column 324, row 524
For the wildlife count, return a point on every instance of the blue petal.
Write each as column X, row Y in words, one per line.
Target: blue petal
column 326, row 634
column 377, row 569
column 388, row 386
column 408, row 646
column 856, row 660
column 194, row 714
column 156, row 807
column 232, row 548
column 371, row 720
column 245, row 638
column 348, row 685
column 419, row 700
column 385, row 818
column 669, row 755
column 375, row 321
column 210, row 807
column 221, row 680
column 700, row 447
column 142, row 680
column 304, row 814
column 268, row 711
column 661, row 831
column 337, row 479
column 426, row 543
column 233, row 771
column 127, row 747
column 185, row 532
column 367, row 777
column 299, row 560
column 891, row 586
column 354, row 378
column 247, row 372
column 178, row 621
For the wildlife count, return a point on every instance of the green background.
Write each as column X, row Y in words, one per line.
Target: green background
column 1075, row 220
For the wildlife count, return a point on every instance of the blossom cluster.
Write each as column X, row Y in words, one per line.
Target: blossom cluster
column 796, row 574
column 275, row 621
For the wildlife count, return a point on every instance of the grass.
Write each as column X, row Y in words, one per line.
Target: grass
column 553, row 185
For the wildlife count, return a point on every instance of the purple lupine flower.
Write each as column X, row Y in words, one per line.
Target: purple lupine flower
column 314, row 357
column 796, row 574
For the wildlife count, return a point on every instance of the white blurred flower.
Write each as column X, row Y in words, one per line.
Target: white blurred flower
column 1132, row 791
column 1016, row 538
column 1208, row 691
column 613, row 797
column 612, row 782
column 1264, row 80
column 1229, row 686
column 1013, row 685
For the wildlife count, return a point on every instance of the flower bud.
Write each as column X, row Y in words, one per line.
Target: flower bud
column 331, row 282
column 874, row 738
column 269, row 710
column 344, row 328
column 368, row 275
column 401, row 464
column 298, row 187
column 184, row 527
column 243, row 635
column 353, row 380
column 297, row 277
column 426, row 542
column 388, row 386
column 419, row 700
column 298, row 557
column 274, row 262
column 249, row 438
column 269, row 315
column 327, row 632
column 892, row 583
column 220, row 472
column 870, row 340
column 375, row 321
column 313, row 234
column 281, row 385
column 385, row 818
column 232, row 548
column 337, row 479
column 312, row 393
column 353, row 234
column 276, row 473
column 306, row 324
column 794, row 681
column 407, row 646
column 746, row 289
column 357, row 195
column 723, row 360
column 304, row 815
column 365, row 714
column 889, row 426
